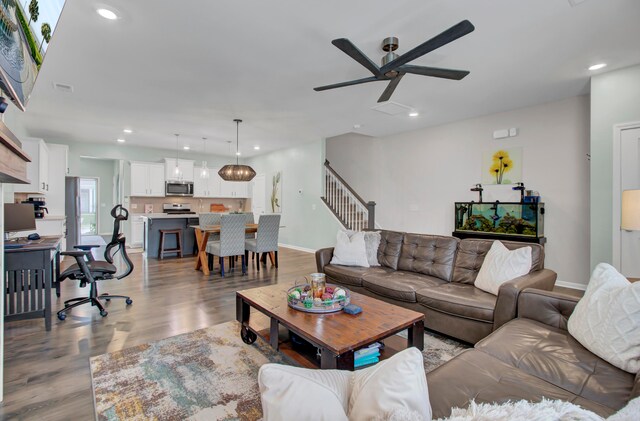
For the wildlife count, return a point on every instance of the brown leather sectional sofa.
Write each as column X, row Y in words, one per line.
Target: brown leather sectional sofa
column 434, row 275
column 529, row 358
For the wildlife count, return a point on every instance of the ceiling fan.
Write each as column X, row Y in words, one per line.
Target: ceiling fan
column 394, row 67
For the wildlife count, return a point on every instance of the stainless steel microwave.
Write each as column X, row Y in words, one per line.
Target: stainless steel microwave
column 178, row 188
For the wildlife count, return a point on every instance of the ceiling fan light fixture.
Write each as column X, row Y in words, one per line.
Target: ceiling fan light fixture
column 237, row 172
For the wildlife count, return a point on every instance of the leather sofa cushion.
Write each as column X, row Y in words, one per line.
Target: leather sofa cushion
column 471, row 254
column 389, row 249
column 431, row 255
column 399, row 285
column 350, row 275
column 551, row 354
column 476, row 375
column 460, row 300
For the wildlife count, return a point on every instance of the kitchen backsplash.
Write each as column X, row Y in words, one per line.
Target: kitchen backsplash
column 137, row 204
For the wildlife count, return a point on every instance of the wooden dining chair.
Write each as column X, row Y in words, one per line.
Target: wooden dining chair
column 266, row 240
column 231, row 243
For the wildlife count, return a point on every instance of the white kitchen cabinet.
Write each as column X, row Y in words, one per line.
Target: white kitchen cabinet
column 137, row 230
column 234, row 189
column 58, row 170
column 185, row 169
column 147, row 179
column 207, row 187
column 37, row 169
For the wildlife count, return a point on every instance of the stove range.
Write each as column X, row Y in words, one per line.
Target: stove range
column 177, row 209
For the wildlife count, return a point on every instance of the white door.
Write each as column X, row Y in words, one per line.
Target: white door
column 258, row 197
column 630, row 180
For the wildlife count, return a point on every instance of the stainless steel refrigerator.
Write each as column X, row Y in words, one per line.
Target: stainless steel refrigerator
column 72, row 210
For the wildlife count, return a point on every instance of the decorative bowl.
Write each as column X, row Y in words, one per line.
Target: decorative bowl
column 334, row 298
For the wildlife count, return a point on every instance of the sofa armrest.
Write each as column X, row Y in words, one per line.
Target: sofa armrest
column 323, row 257
column 550, row 308
column 507, row 303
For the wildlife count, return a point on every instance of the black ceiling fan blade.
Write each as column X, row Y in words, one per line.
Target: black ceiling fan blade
column 390, row 88
column 451, row 34
column 434, row 72
column 349, row 83
column 352, row 51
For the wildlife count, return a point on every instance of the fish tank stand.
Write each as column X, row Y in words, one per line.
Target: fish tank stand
column 509, row 221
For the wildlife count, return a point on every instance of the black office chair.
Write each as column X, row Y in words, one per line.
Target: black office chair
column 87, row 270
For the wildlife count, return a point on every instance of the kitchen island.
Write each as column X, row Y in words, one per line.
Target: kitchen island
column 154, row 222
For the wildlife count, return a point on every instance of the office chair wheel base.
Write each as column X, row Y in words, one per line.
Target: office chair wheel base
column 248, row 337
column 62, row 316
column 129, row 301
column 104, row 313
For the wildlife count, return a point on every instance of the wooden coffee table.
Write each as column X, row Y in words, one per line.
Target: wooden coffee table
column 262, row 311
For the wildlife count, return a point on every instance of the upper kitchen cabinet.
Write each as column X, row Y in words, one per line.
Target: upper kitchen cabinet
column 37, row 169
column 207, row 187
column 147, row 179
column 184, row 172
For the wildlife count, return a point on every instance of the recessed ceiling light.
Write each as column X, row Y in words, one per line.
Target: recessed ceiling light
column 238, row 153
column 186, row 148
column 357, row 126
column 128, row 131
column 598, row 66
column 257, row 148
column 107, row 14
column 414, row 114
column 120, row 140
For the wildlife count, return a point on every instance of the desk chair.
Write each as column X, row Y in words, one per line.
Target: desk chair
column 232, row 230
column 87, row 270
column 266, row 238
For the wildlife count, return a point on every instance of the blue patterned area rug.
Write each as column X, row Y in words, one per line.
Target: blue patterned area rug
column 208, row 374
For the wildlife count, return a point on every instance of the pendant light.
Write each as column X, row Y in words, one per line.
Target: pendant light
column 204, row 171
column 237, row 172
column 176, row 171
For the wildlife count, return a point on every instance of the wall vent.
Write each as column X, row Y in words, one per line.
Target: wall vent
column 61, row 87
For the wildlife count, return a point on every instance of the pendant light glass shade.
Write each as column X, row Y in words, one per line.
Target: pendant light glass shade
column 237, row 172
column 204, row 171
column 176, row 171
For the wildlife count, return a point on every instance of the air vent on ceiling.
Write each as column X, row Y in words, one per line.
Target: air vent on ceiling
column 392, row 108
column 61, row 87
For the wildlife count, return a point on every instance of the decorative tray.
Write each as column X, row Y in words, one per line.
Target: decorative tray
column 332, row 299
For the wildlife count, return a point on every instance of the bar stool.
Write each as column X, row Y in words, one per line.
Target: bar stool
column 178, row 249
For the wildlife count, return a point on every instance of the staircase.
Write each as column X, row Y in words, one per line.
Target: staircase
column 350, row 209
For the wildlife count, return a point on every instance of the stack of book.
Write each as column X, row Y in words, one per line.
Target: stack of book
column 368, row 355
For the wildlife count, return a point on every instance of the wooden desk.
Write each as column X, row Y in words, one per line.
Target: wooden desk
column 202, row 237
column 30, row 271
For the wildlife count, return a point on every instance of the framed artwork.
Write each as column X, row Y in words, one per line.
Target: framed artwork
column 275, row 192
column 502, row 166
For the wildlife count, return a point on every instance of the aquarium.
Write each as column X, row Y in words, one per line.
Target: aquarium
column 504, row 218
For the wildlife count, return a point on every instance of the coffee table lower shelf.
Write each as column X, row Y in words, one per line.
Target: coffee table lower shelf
column 306, row 355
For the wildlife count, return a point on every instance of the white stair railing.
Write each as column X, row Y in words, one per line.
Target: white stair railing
column 350, row 209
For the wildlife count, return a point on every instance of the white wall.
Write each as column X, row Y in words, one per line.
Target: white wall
column 615, row 98
column 416, row 177
column 306, row 220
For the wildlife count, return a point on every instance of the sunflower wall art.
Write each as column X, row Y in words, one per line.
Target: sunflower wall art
column 502, row 166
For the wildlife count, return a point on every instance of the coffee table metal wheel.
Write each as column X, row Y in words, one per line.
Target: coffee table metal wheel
column 248, row 337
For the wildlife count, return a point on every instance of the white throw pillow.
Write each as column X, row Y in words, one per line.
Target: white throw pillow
column 350, row 251
column 398, row 383
column 371, row 245
column 606, row 320
column 501, row 265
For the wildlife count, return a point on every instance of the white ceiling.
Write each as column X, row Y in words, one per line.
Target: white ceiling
column 191, row 67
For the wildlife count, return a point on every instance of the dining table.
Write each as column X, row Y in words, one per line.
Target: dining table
column 202, row 238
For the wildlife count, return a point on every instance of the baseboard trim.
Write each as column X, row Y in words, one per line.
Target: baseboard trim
column 571, row 285
column 289, row 246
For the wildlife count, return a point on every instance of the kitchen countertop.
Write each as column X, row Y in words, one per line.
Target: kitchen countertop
column 166, row 216
column 52, row 218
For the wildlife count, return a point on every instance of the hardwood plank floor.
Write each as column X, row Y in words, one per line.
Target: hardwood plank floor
column 47, row 374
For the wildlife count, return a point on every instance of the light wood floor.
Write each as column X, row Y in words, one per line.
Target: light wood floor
column 47, row 374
